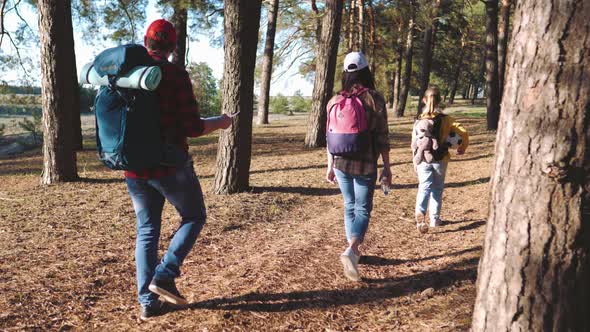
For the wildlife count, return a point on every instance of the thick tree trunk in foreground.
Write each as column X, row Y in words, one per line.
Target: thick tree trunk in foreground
column 503, row 27
column 324, row 75
column 266, row 74
column 57, row 65
column 408, row 56
column 429, row 41
column 179, row 20
column 534, row 272
column 241, row 23
column 492, row 84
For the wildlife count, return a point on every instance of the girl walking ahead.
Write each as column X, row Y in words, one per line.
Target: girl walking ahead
column 431, row 175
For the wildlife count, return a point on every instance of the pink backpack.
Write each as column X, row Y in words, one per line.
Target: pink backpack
column 347, row 131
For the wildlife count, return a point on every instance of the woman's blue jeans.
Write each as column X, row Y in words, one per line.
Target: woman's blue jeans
column 357, row 191
column 431, row 178
column 183, row 191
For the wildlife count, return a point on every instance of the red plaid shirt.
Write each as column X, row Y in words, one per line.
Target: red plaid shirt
column 179, row 113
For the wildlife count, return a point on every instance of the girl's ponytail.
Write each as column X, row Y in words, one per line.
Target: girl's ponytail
column 431, row 100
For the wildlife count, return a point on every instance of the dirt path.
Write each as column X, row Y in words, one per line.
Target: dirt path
column 266, row 261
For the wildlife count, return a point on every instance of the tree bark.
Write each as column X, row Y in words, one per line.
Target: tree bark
column 398, row 71
column 457, row 72
column 408, row 57
column 266, row 75
column 503, row 28
column 58, row 101
column 77, row 138
column 535, row 267
column 179, row 20
column 465, row 91
column 390, row 87
column 318, row 21
column 241, row 24
column 352, row 40
column 429, row 41
column 324, row 75
column 492, row 84
column 361, row 24
column 478, row 79
column 373, row 35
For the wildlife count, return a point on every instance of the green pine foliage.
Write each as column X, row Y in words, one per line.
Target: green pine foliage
column 205, row 88
column 280, row 104
column 298, row 103
column 33, row 127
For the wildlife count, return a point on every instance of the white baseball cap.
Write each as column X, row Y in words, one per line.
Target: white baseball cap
column 355, row 61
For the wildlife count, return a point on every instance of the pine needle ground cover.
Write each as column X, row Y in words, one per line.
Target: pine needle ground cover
column 267, row 260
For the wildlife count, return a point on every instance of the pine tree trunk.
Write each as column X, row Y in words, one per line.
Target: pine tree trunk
column 457, row 72
column 429, row 40
column 179, row 20
column 465, row 92
column 352, row 39
column 398, row 72
column 241, row 24
column 361, row 23
column 373, row 34
column 477, row 80
column 58, row 101
column 346, row 26
column 390, row 88
column 408, row 57
column 503, row 27
column 534, row 272
column 492, row 84
column 266, row 74
column 474, row 92
column 318, row 21
column 77, row 138
column 324, row 76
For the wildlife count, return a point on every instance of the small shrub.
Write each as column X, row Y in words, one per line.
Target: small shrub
column 33, row 127
column 280, row 104
column 299, row 103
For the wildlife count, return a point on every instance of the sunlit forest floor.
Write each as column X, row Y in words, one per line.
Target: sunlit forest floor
column 267, row 260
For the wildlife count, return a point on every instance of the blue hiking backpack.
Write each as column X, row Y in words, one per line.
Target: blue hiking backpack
column 128, row 135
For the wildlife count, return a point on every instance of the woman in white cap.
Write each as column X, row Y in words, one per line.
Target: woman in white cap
column 357, row 134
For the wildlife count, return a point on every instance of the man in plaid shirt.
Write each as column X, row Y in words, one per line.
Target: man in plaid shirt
column 150, row 188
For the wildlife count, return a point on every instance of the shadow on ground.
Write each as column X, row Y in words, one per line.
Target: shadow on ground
column 375, row 291
column 313, row 191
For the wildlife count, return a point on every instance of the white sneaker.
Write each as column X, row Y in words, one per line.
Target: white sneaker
column 349, row 262
column 435, row 222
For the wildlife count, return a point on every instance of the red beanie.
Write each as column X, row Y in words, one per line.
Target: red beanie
column 162, row 31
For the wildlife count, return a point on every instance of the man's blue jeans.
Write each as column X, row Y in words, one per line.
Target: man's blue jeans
column 431, row 178
column 357, row 191
column 183, row 191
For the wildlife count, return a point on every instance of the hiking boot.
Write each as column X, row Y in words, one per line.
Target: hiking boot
column 166, row 288
column 157, row 309
column 349, row 262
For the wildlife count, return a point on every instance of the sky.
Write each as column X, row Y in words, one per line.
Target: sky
column 199, row 51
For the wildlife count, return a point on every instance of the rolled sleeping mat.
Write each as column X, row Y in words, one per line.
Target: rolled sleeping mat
column 140, row 77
